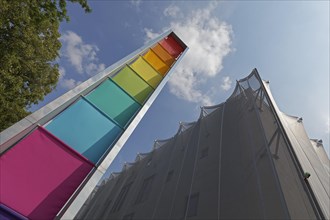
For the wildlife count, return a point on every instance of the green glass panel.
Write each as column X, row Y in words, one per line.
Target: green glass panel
column 113, row 101
column 133, row 84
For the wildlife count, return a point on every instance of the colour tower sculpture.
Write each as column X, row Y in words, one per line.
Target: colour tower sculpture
column 51, row 160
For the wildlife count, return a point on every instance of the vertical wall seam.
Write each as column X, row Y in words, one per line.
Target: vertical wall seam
column 194, row 168
column 178, row 181
column 164, row 182
column 279, row 188
column 256, row 170
column 220, row 154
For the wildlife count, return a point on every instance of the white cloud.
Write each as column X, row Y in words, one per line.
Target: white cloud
column 172, row 11
column 150, row 34
column 69, row 83
column 209, row 41
column 82, row 56
column 226, row 83
column 65, row 82
column 62, row 73
column 327, row 124
column 92, row 68
column 136, row 3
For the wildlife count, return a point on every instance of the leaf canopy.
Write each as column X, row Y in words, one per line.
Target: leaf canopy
column 29, row 47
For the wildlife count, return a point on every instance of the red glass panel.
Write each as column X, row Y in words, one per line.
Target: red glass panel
column 171, row 46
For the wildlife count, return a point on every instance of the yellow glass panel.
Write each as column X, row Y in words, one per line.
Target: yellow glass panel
column 149, row 74
column 163, row 54
column 156, row 62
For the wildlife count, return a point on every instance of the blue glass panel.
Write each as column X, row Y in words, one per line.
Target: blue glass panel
column 85, row 129
column 9, row 214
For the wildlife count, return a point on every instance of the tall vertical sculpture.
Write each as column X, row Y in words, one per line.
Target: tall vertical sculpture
column 51, row 160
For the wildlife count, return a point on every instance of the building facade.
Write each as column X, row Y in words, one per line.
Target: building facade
column 51, row 160
column 242, row 159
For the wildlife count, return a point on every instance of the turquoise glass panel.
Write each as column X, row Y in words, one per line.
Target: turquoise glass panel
column 85, row 129
column 113, row 101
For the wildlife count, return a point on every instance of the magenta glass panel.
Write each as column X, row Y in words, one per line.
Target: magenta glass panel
column 39, row 174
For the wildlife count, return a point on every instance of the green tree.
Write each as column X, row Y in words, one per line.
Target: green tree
column 29, row 46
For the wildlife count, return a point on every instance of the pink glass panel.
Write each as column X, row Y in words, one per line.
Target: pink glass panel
column 39, row 174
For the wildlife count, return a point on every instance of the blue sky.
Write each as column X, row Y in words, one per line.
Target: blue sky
column 288, row 42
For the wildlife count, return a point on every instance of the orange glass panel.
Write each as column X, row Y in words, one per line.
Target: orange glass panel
column 156, row 62
column 163, row 54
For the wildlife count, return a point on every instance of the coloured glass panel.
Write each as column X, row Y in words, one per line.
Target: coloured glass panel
column 156, row 62
column 85, row 129
column 149, row 74
column 128, row 80
column 39, row 174
column 113, row 101
column 172, row 46
column 163, row 54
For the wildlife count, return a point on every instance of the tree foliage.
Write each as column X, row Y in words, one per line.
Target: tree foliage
column 29, row 46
